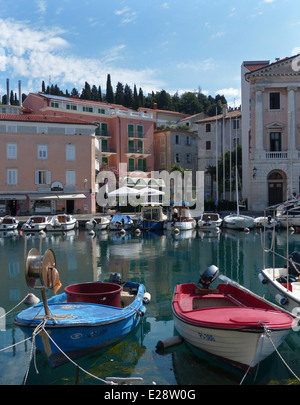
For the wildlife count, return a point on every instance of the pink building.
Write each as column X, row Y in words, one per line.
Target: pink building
column 125, row 136
column 41, row 164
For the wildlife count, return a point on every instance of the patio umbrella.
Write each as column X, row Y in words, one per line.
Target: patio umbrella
column 123, row 192
column 150, row 191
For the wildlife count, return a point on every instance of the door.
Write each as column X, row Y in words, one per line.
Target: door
column 275, row 188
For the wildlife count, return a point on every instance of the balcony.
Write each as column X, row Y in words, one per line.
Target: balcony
column 106, row 151
column 102, row 134
column 138, row 152
column 136, row 135
column 277, row 155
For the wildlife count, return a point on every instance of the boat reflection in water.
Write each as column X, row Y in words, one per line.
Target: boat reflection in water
column 160, row 261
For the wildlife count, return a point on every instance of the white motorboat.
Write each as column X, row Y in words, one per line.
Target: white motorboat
column 61, row 222
column 265, row 222
column 288, row 213
column 284, row 282
column 209, row 221
column 97, row 224
column 8, row 223
column 35, row 223
column 180, row 218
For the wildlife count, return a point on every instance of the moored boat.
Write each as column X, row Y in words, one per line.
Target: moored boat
column 180, row 218
column 265, row 222
column 284, row 283
column 83, row 319
column 209, row 221
column 35, row 223
column 229, row 322
column 61, row 222
column 119, row 222
column 97, row 224
column 288, row 213
column 152, row 218
column 8, row 223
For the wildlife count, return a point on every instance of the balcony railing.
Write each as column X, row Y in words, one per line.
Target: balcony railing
column 106, row 149
column 276, row 155
column 136, row 135
column 141, row 151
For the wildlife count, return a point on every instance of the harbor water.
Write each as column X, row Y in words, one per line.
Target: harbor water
column 159, row 261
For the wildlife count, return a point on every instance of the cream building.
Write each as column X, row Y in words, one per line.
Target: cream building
column 271, row 131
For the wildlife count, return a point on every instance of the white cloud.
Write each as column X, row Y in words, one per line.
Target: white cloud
column 232, row 95
column 201, row 65
column 36, row 55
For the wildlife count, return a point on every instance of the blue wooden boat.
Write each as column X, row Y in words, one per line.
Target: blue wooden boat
column 83, row 319
column 152, row 218
column 79, row 328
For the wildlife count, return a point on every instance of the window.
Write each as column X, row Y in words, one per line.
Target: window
column 177, row 139
column 274, row 101
column 12, row 128
column 70, row 177
column 71, row 107
column 208, row 145
column 187, row 140
column 236, row 124
column 11, row 151
column 87, row 109
column 207, row 128
column 140, row 131
column 54, row 105
column 12, row 177
column 130, row 164
column 42, row 177
column 177, row 158
column 188, row 158
column 275, row 141
column 70, row 152
column 130, row 130
column 42, row 152
column 101, row 111
column 102, row 129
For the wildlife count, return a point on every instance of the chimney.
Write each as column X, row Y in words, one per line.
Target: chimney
column 7, row 91
column 154, row 106
column 20, row 94
column 225, row 110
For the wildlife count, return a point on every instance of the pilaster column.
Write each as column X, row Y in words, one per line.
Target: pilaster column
column 259, row 144
column 291, row 119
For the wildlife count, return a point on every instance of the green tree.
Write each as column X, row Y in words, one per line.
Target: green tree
column 119, row 97
column 109, row 91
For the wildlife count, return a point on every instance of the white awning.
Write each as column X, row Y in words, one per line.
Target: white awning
column 12, row 197
column 56, row 196
column 71, row 196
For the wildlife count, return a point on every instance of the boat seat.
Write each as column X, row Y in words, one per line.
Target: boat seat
column 126, row 298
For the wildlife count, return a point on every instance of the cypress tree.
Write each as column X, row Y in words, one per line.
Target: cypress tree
column 109, row 91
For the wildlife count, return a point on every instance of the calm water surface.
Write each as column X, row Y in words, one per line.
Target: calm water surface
column 160, row 261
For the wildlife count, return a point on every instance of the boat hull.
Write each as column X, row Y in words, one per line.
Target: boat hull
column 230, row 323
column 153, row 225
column 79, row 328
column 181, row 225
column 288, row 298
column 242, row 349
column 238, row 222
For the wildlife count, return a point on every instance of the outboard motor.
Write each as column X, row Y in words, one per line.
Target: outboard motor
column 209, row 275
column 294, row 264
column 115, row 278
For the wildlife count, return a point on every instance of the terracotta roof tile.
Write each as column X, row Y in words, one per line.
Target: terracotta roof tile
column 51, row 119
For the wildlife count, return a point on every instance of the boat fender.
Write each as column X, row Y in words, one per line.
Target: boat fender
column 31, row 299
column 262, row 278
column 176, row 231
column 280, row 299
column 122, row 231
column 137, row 231
column 246, row 230
column 92, row 233
column 146, row 298
column 169, row 342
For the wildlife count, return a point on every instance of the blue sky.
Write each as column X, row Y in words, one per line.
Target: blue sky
column 173, row 45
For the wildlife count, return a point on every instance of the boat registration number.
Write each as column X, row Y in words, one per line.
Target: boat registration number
column 206, row 336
